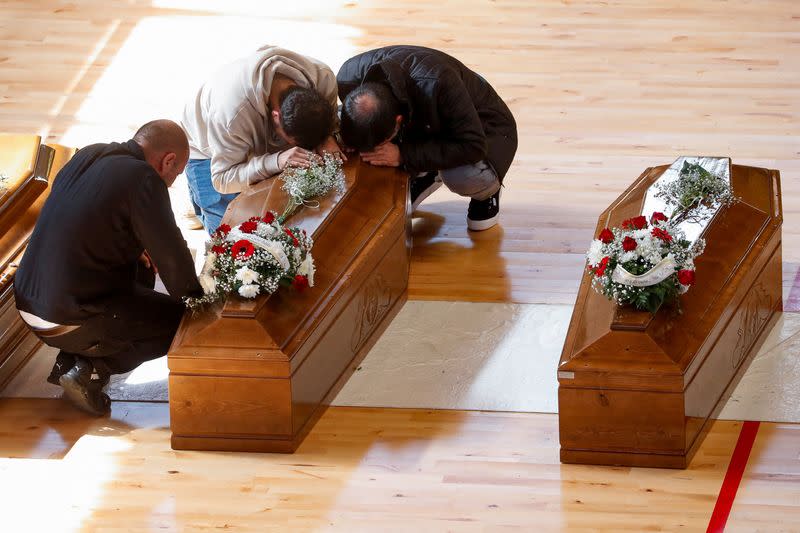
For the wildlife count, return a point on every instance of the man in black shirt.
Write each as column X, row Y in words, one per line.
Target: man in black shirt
column 85, row 283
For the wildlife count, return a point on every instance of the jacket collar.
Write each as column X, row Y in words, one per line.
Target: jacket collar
column 134, row 148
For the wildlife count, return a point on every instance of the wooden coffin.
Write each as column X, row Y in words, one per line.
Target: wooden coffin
column 254, row 375
column 638, row 390
column 30, row 167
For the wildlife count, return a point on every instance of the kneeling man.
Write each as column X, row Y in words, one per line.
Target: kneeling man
column 423, row 110
column 85, row 283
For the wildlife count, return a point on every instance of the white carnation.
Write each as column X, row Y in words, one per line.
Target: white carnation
column 246, row 275
column 307, row 269
column 208, row 283
column 296, row 254
column 249, row 291
column 208, row 264
column 265, row 230
column 595, row 253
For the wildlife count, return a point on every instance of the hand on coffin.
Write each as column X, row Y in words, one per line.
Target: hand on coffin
column 384, row 155
column 147, row 261
column 294, row 157
column 332, row 147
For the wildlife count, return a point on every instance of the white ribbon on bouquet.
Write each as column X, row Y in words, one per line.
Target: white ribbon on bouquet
column 664, row 269
column 274, row 248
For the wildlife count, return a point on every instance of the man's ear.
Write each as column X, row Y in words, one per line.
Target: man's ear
column 276, row 116
column 169, row 160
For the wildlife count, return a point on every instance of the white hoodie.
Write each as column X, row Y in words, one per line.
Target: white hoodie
column 228, row 120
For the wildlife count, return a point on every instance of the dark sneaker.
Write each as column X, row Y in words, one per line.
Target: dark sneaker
column 423, row 187
column 64, row 361
column 84, row 392
column 483, row 214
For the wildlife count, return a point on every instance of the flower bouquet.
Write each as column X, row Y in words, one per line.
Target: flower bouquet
column 256, row 257
column 646, row 263
column 643, row 264
column 323, row 176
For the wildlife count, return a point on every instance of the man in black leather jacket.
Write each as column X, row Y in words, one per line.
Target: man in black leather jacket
column 424, row 111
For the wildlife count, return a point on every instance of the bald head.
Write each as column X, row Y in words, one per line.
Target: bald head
column 370, row 116
column 162, row 136
column 165, row 147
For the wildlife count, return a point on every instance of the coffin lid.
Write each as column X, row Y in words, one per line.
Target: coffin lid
column 604, row 340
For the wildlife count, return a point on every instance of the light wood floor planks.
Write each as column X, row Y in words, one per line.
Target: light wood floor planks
column 359, row 470
column 601, row 90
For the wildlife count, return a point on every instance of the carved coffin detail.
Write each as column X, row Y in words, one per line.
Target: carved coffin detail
column 375, row 301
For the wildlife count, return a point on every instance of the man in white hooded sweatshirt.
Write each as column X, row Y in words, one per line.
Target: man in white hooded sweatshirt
column 252, row 119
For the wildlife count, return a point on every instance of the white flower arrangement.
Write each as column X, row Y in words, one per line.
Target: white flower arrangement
column 256, row 257
column 643, row 265
column 323, row 176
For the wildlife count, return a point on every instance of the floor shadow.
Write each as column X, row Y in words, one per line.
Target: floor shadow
column 449, row 262
column 49, row 428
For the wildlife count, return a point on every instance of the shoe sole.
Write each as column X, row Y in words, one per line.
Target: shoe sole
column 482, row 225
column 77, row 395
column 424, row 194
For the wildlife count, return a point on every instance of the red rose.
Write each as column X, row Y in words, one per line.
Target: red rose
column 248, row 227
column 223, row 230
column 686, row 277
column 639, row 222
column 606, row 236
column 217, row 249
column 659, row 233
column 601, row 268
column 300, row 282
column 658, row 217
column 294, row 239
column 628, row 244
column 269, row 217
column 242, row 249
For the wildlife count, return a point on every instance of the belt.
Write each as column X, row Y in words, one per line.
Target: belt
column 46, row 333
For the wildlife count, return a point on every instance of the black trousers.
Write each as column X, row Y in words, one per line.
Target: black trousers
column 136, row 326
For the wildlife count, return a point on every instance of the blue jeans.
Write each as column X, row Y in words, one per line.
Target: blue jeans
column 209, row 204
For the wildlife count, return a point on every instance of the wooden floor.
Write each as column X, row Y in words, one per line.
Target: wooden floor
column 359, row 470
column 600, row 90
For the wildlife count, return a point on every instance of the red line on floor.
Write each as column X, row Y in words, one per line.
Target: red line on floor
column 727, row 493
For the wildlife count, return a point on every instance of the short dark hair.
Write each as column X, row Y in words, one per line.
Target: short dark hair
column 368, row 116
column 306, row 116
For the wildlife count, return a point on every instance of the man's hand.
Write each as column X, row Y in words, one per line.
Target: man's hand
column 147, row 261
column 384, row 155
column 294, row 157
column 332, row 147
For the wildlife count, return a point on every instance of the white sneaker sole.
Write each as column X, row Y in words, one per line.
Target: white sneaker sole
column 427, row 192
column 482, row 225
